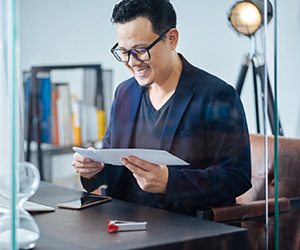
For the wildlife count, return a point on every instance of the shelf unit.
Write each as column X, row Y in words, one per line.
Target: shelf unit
column 103, row 87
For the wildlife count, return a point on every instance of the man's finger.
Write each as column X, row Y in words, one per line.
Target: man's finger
column 137, row 170
column 145, row 165
column 80, row 158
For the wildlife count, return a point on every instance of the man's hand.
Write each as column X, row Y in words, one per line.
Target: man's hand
column 150, row 177
column 86, row 167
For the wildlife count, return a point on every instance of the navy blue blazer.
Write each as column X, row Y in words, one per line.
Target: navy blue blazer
column 205, row 126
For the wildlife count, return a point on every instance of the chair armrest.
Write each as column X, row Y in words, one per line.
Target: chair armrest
column 295, row 203
column 245, row 211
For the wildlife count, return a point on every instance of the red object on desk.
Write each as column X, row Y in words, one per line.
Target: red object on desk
column 118, row 225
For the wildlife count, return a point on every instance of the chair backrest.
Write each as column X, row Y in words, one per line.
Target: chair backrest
column 288, row 168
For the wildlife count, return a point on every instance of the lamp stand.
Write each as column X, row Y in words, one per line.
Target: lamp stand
column 258, row 73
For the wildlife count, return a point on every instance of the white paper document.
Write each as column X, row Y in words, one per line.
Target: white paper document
column 113, row 156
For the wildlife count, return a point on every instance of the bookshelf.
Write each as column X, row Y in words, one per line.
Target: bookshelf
column 56, row 132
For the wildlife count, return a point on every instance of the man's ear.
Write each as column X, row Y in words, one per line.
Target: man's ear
column 173, row 38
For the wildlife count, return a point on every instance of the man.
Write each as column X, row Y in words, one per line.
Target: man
column 171, row 105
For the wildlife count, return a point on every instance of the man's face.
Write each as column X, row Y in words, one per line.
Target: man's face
column 138, row 33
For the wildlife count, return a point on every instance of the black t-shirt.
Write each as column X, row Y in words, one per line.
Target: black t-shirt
column 147, row 132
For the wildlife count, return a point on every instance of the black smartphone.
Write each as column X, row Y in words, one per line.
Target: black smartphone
column 85, row 201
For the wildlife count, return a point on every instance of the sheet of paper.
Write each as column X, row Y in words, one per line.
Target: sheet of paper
column 113, row 156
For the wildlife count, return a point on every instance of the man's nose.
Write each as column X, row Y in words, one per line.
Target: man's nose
column 133, row 61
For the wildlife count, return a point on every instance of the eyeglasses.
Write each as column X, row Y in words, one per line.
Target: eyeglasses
column 141, row 54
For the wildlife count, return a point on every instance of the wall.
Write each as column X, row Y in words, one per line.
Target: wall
column 76, row 31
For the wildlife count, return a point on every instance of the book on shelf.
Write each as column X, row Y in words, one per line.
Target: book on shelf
column 54, row 109
column 65, row 137
column 44, row 101
column 45, row 106
column 76, row 124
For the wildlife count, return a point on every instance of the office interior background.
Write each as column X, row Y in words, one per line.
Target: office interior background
column 80, row 32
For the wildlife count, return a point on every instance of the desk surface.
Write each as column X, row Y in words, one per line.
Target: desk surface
column 87, row 228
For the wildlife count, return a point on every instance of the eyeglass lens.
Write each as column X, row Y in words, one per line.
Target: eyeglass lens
column 140, row 54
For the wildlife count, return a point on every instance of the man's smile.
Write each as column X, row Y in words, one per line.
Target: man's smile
column 141, row 71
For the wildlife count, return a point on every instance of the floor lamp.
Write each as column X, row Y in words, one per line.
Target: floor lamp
column 246, row 17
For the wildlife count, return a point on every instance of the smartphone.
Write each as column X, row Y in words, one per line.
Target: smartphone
column 85, row 201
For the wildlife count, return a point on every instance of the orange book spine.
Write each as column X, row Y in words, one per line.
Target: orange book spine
column 55, row 135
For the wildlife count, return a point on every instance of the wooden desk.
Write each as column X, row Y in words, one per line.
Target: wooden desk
column 87, row 228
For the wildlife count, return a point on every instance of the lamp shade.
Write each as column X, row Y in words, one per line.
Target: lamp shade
column 246, row 17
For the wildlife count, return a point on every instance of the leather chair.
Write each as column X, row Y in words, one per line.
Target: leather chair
column 249, row 211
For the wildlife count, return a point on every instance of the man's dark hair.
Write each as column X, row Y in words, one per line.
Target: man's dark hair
column 160, row 13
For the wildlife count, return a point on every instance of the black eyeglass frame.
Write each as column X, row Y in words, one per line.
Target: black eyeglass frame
column 129, row 51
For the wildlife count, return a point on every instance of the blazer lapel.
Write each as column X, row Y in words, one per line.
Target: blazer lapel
column 181, row 99
column 135, row 99
column 127, row 117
